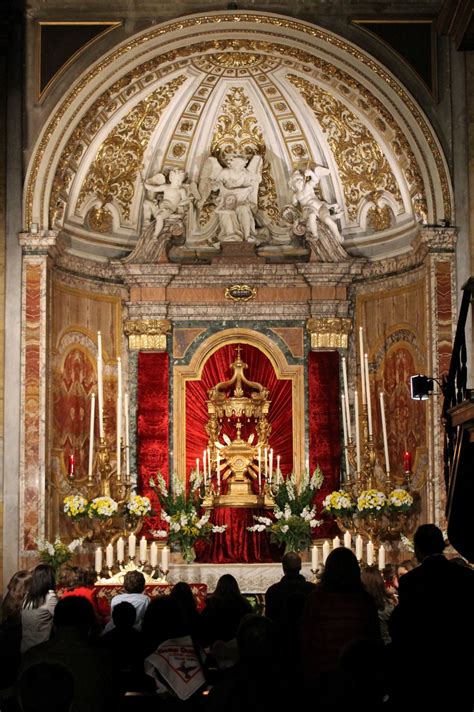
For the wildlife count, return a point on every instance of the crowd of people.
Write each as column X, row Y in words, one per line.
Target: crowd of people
column 354, row 637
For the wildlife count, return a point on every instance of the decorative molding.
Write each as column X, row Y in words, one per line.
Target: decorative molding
column 147, row 334
column 240, row 293
column 329, row 333
column 37, row 243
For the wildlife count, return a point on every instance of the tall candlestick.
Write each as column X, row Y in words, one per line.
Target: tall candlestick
column 344, row 432
column 127, row 438
column 98, row 560
column 361, row 355
column 165, row 559
column 218, row 470
column 359, row 547
column 91, row 439
column 153, row 555
column 197, row 468
column 265, row 457
column 370, row 553
column 120, row 550
column 204, row 466
column 119, row 418
column 381, row 557
column 314, row 558
column 259, row 465
column 100, row 385
column 278, row 473
column 346, row 397
column 384, row 432
column 357, row 430
column 270, row 474
column 109, row 556
column 143, row 548
column 336, row 543
column 347, row 540
column 132, row 544
column 326, row 550
column 367, row 387
column 209, row 472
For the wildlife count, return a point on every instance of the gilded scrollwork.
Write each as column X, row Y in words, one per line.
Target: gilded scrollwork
column 113, row 174
column 362, row 166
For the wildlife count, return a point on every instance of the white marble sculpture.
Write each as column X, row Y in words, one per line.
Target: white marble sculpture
column 313, row 208
column 176, row 198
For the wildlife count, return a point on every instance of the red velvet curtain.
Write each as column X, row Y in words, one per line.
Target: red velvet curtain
column 152, row 425
column 324, row 423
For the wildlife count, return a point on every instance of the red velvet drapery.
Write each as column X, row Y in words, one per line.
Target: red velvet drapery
column 152, row 425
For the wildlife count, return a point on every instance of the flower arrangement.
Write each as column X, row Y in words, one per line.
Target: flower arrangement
column 294, row 515
column 56, row 553
column 102, row 508
column 399, row 500
column 338, row 503
column 75, row 506
column 180, row 512
column 138, row 506
column 371, row 501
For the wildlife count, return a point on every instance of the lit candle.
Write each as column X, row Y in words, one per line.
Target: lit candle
column 98, row 560
column 165, row 558
column 132, row 545
column 357, row 430
column 367, row 388
column 153, row 555
column 127, row 438
column 143, row 548
column 347, row 540
column 70, row 469
column 120, row 550
column 336, row 543
column 370, row 553
column 270, row 474
column 100, row 384
column 381, row 557
column 326, row 550
column 361, row 355
column 384, row 432
column 91, row 439
column 119, row 418
column 109, row 555
column 346, row 397
column 204, row 466
column 314, row 558
column 359, row 547
column 407, row 461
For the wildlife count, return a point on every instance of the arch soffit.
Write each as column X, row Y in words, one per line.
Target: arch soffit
column 311, row 60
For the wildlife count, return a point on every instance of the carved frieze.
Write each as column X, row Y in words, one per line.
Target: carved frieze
column 327, row 332
column 147, row 334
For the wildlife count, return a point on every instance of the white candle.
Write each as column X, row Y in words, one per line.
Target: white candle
column 143, row 548
column 209, row 472
column 204, row 466
column 381, row 557
column 91, row 438
column 370, row 553
column 361, row 355
column 132, row 545
column 127, row 438
column 336, row 543
column 367, row 386
column 347, row 540
column 357, row 430
column 109, row 556
column 359, row 547
column 384, row 432
column 197, row 468
column 326, row 550
column 153, row 555
column 100, row 384
column 270, row 475
column 307, row 464
column 98, row 560
column 265, row 457
column 314, row 558
column 346, row 397
column 278, row 473
column 119, row 417
column 120, row 550
column 344, row 432
column 259, row 465
column 218, row 469
column 165, row 558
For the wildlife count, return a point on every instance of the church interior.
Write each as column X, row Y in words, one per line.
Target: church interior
column 231, row 235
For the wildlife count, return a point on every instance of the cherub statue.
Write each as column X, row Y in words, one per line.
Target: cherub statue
column 240, row 178
column 313, row 208
column 176, row 198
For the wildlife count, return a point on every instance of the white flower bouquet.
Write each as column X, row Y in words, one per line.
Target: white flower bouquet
column 371, row 501
column 137, row 507
column 103, row 508
column 399, row 500
column 338, row 503
column 75, row 506
column 56, row 553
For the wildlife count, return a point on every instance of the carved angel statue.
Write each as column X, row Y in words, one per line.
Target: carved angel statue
column 176, row 198
column 237, row 185
column 303, row 186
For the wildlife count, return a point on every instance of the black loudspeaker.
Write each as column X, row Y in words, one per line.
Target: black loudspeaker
column 421, row 387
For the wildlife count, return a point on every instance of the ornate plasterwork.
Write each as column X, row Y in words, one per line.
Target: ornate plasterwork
column 329, row 333
column 147, row 334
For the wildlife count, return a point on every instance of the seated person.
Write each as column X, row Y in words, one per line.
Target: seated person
column 126, row 647
column 134, row 585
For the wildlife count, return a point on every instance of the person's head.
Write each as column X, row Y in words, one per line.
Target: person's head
column 296, row 181
column 428, row 541
column 16, row 591
column 235, row 160
column 291, row 563
column 257, row 640
column 404, row 567
column 176, row 176
column 341, row 571
column 374, row 584
column 134, row 582
column 42, row 580
column 230, row 201
column 227, row 587
column 183, row 595
column 46, row 687
column 124, row 615
column 162, row 621
column 74, row 612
